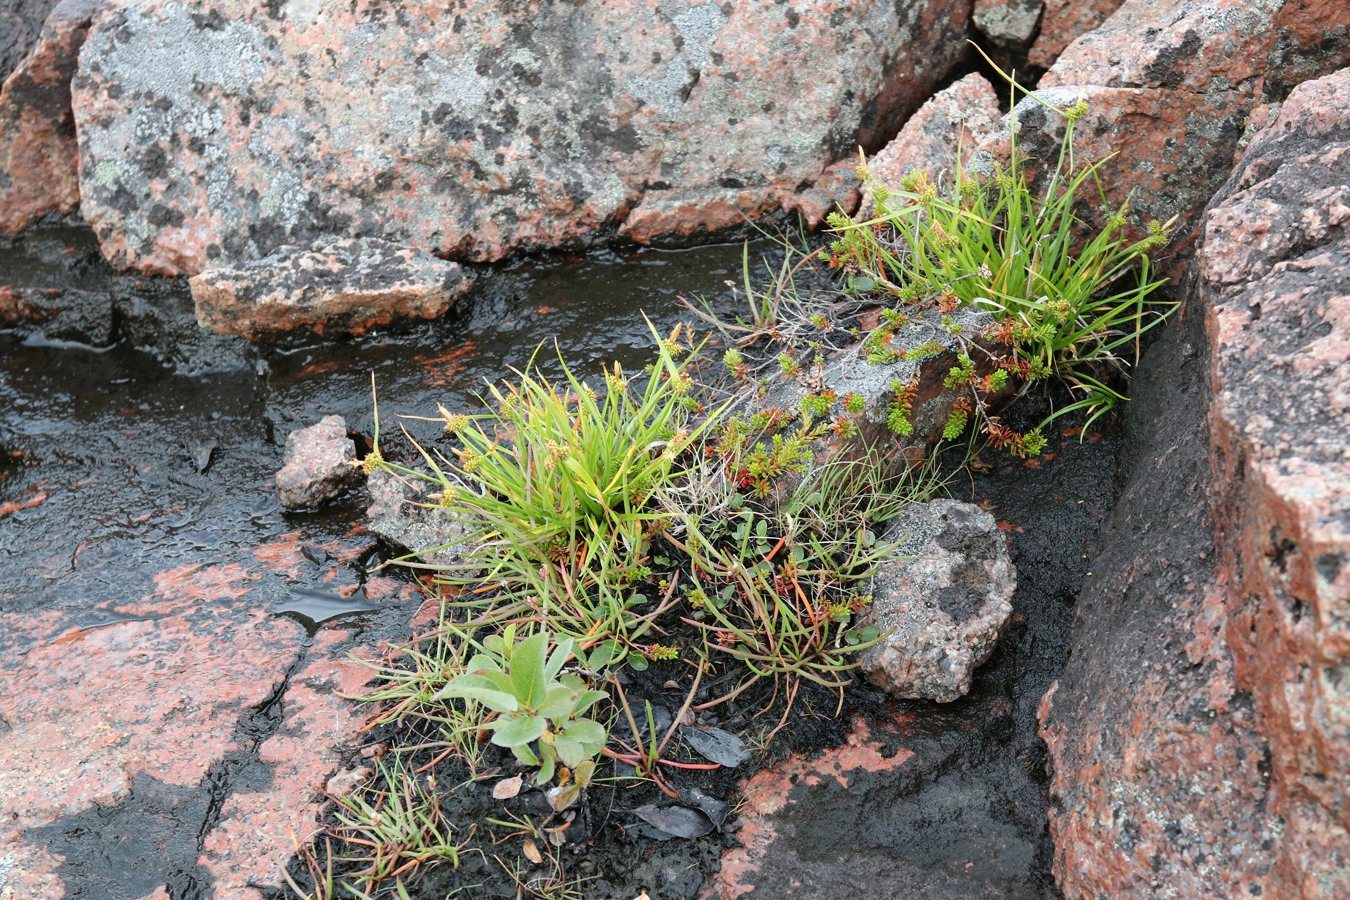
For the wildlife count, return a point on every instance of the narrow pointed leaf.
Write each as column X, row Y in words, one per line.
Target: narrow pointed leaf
column 479, row 689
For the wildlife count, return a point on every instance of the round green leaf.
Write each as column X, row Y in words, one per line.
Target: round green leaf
column 510, row 732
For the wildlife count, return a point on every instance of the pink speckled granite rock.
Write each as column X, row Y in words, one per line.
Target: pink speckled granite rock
column 1062, row 21
column 1275, row 277
column 317, row 466
column 215, row 132
column 1169, row 88
column 942, row 602
column 259, row 831
column 1159, row 781
column 1200, row 732
column 1208, row 46
column 958, row 117
column 20, row 23
column 166, row 700
column 332, row 286
column 39, row 159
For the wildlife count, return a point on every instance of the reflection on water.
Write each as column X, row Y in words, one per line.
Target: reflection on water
column 140, row 469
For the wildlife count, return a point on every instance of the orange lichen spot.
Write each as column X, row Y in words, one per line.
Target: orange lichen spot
column 28, row 503
column 320, row 368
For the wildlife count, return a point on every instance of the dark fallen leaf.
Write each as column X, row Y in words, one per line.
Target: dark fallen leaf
column 316, row 555
column 716, row 745
column 661, row 718
column 716, row 810
column 674, row 821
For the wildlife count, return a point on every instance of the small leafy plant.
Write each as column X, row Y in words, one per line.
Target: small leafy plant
column 540, row 713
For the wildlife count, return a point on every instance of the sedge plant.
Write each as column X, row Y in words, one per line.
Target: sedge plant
column 1065, row 305
column 553, row 488
column 393, row 830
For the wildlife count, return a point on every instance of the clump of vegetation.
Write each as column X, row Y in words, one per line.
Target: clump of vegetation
column 624, row 524
column 556, row 485
column 387, row 833
column 1063, row 306
column 674, row 520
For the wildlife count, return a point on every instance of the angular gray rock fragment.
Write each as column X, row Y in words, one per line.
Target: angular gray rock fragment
column 334, row 285
column 1008, row 23
column 316, row 467
column 943, row 601
column 402, row 512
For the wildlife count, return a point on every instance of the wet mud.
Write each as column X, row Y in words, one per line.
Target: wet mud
column 177, row 647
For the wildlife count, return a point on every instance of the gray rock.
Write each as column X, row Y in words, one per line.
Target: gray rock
column 402, row 512
column 333, row 285
column 1008, row 23
column 848, row 372
column 317, row 465
column 218, row 132
column 955, row 119
column 944, row 600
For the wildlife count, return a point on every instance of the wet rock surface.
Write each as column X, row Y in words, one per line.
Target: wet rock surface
column 1159, row 772
column 214, row 133
column 334, row 286
column 162, row 726
column 317, row 467
column 1197, row 729
column 942, row 602
column 57, row 288
column 176, row 649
